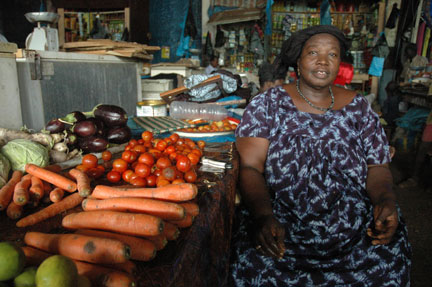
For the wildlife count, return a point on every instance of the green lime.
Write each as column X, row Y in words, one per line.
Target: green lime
column 57, row 270
column 12, row 260
column 27, row 278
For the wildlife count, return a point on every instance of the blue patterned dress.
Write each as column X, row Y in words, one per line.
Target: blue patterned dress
column 317, row 166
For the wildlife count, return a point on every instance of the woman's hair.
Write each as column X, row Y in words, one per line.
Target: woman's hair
column 292, row 47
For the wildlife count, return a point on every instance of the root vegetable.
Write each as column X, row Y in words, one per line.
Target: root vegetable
column 7, row 135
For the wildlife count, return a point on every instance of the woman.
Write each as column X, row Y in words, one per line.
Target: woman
column 315, row 181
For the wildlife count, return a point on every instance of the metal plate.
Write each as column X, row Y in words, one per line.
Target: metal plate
column 48, row 17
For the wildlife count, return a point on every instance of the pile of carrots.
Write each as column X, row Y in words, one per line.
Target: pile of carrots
column 119, row 225
column 42, row 185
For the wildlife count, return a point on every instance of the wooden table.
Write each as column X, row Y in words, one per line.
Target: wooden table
column 199, row 257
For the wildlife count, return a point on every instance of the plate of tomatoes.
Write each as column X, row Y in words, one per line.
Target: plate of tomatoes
column 209, row 129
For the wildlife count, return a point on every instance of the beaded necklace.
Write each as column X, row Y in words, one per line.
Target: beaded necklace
column 311, row 104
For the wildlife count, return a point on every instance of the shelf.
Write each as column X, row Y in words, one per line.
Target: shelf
column 308, row 12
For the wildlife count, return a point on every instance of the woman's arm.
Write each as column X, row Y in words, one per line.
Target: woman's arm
column 269, row 233
column 379, row 187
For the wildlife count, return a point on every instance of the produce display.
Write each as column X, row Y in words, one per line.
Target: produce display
column 123, row 208
column 212, row 127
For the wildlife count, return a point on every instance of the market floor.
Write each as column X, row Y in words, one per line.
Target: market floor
column 416, row 207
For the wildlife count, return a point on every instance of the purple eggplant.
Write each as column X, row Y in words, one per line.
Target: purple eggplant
column 85, row 128
column 55, row 126
column 112, row 116
column 119, row 135
column 73, row 117
column 100, row 126
column 93, row 144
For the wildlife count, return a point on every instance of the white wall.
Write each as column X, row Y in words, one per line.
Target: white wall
column 10, row 103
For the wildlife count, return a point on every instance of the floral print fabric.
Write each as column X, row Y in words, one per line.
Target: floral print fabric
column 316, row 168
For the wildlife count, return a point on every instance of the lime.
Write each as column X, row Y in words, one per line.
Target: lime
column 12, row 260
column 57, row 270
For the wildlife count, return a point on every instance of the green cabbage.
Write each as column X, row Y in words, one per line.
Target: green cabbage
column 4, row 170
column 21, row 152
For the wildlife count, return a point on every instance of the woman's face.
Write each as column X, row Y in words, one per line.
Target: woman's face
column 319, row 61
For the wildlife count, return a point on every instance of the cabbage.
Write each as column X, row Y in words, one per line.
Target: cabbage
column 21, row 152
column 4, row 170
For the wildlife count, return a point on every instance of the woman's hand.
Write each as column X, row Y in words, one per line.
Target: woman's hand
column 269, row 236
column 386, row 222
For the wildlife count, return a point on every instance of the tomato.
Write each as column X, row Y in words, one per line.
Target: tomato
column 133, row 142
column 142, row 170
column 81, row 167
column 151, row 180
column 94, row 172
column 155, row 152
column 140, row 141
column 113, row 176
column 157, row 172
column 201, row 144
column 138, row 181
column 183, row 163
column 120, row 165
column 89, row 160
column 180, row 141
column 127, row 175
column 106, row 155
column 172, row 156
column 190, row 176
column 177, row 181
column 128, row 147
column 147, row 136
column 170, row 149
column 174, row 137
column 194, row 158
column 162, row 182
column 133, row 165
column 129, row 156
column 168, row 141
column 139, row 148
column 101, row 167
column 190, row 143
column 161, row 145
column 197, row 151
column 169, row 173
column 163, row 162
column 146, row 158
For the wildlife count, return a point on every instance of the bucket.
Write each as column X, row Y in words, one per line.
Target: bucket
column 151, row 108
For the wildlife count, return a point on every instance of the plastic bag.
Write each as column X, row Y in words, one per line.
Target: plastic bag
column 376, row 67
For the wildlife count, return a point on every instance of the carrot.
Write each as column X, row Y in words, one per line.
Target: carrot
column 141, row 249
column 103, row 276
column 160, row 241
column 191, row 208
column 171, row 231
column 125, row 223
column 51, row 177
column 34, row 257
column 36, row 190
column 56, row 194
column 56, row 208
column 163, row 209
column 21, row 191
column 7, row 191
column 80, row 247
column 185, row 222
column 83, row 182
column 47, row 187
column 129, row 267
column 171, row 192
column 14, row 211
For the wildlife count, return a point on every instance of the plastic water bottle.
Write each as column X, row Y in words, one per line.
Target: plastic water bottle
column 192, row 110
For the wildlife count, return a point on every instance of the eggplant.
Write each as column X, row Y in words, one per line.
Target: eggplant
column 93, row 144
column 73, row 117
column 85, row 128
column 100, row 126
column 72, row 139
column 112, row 116
column 55, row 126
column 119, row 135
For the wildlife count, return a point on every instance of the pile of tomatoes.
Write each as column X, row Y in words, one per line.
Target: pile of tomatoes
column 150, row 161
column 215, row 126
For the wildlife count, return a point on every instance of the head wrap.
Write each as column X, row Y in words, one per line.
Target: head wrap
column 292, row 47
